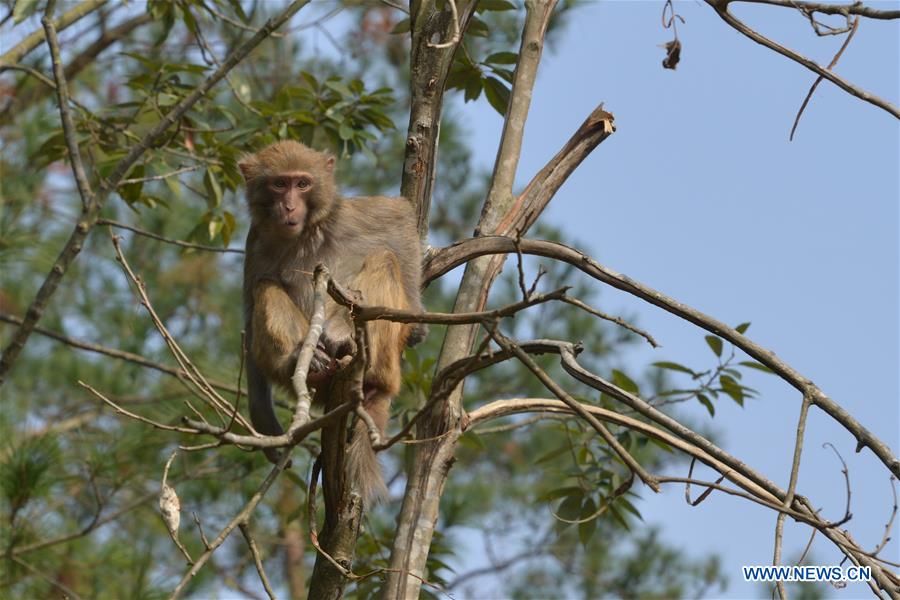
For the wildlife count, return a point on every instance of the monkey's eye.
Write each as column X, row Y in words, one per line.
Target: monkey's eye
column 279, row 184
column 303, row 183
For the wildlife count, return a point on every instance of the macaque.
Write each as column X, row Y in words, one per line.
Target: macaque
column 370, row 244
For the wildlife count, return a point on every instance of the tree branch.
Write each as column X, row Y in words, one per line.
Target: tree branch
column 115, row 353
column 429, row 67
column 857, row 8
column 456, row 254
column 721, row 8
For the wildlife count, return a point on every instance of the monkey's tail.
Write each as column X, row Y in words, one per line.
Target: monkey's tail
column 362, row 462
column 363, row 466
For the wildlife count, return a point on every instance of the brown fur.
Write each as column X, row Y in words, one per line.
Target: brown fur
column 368, row 244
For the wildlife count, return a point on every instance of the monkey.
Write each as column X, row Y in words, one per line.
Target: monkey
column 298, row 219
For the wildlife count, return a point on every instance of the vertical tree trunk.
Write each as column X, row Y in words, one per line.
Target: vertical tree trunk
column 432, row 461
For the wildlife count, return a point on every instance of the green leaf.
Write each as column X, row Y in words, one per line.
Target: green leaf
column 497, row 94
column 672, row 366
column 558, row 493
column 213, row 189
column 402, row 26
column 214, row 226
column 586, row 531
column 478, row 28
column 742, row 327
column 552, row 454
column 473, row 88
column 345, row 131
column 624, row 381
column 707, row 403
column 732, row 388
column 502, row 58
column 22, row 10
column 715, row 343
column 570, row 508
column 230, row 224
column 627, row 505
column 618, row 517
column 473, row 441
column 131, row 192
column 495, row 5
column 339, row 87
column 757, row 366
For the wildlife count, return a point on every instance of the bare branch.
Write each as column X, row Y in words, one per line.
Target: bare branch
column 205, row 391
column 447, row 258
column 560, row 393
column 856, row 8
column 308, row 348
column 721, row 8
column 238, row 519
column 115, row 353
column 818, row 80
column 792, row 488
column 174, row 242
column 612, row 319
column 257, row 559
column 62, row 93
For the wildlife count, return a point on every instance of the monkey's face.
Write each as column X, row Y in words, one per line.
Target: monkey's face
column 292, row 200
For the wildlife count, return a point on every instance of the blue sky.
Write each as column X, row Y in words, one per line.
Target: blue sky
column 701, row 195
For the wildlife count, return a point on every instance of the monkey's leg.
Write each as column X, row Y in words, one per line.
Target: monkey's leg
column 380, row 283
column 275, row 332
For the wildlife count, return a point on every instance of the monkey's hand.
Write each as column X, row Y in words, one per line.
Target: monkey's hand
column 339, row 346
column 417, row 334
column 322, row 365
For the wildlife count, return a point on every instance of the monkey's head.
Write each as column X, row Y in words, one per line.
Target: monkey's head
column 290, row 187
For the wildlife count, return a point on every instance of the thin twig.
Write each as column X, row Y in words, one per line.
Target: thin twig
column 461, row 252
column 160, row 177
column 205, row 391
column 62, row 95
column 257, row 559
column 792, row 488
column 551, row 385
column 174, row 242
column 54, row 582
column 856, row 8
column 613, row 319
column 241, row 517
column 887, row 528
column 721, row 8
column 135, row 416
column 818, row 80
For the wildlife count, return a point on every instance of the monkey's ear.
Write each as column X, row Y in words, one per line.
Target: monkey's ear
column 247, row 165
column 329, row 164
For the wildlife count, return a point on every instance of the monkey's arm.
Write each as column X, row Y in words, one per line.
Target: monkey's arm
column 277, row 329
